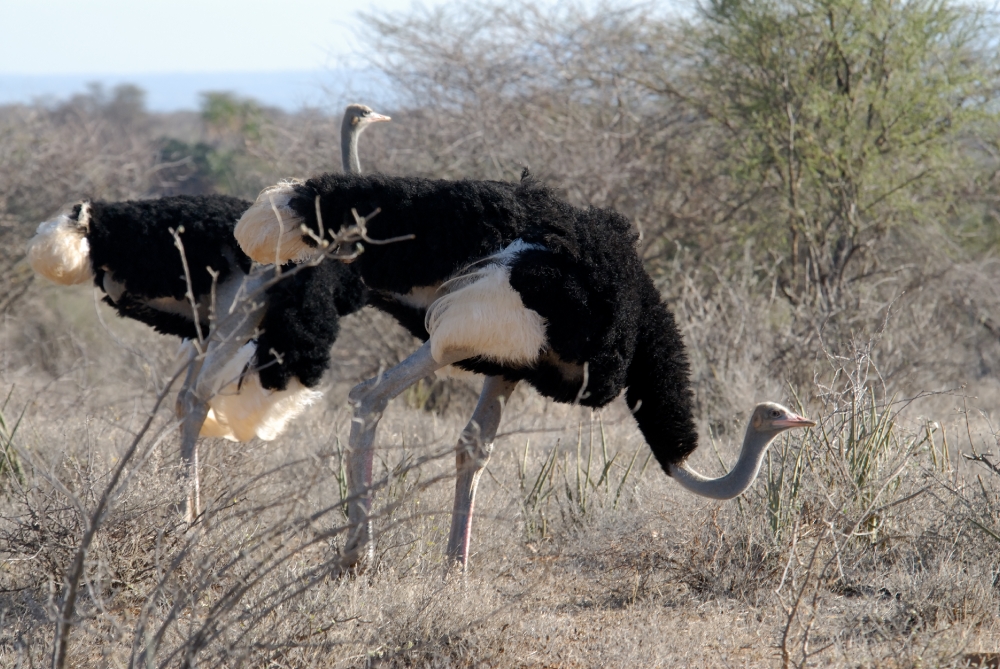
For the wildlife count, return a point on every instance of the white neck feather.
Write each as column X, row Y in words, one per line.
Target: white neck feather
column 742, row 475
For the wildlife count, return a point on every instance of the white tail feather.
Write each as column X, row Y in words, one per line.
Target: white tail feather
column 270, row 231
column 60, row 252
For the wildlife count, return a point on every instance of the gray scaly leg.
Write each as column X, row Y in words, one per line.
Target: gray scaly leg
column 471, row 455
column 239, row 318
column 370, row 399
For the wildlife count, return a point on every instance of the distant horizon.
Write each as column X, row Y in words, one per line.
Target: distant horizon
column 289, row 90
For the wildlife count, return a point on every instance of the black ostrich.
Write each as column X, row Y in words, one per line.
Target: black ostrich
column 509, row 281
column 128, row 249
column 259, row 372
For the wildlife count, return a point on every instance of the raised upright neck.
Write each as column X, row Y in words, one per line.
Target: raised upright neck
column 349, row 134
column 740, row 477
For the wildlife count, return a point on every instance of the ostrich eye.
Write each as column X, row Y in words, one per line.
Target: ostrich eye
column 775, row 413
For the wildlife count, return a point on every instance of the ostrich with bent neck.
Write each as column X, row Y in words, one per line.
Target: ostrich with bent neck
column 262, row 374
column 509, row 281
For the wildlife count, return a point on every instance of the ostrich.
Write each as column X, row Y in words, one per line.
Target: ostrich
column 508, row 281
column 128, row 250
column 356, row 119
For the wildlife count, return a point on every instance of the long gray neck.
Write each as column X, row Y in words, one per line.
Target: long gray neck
column 742, row 475
column 349, row 147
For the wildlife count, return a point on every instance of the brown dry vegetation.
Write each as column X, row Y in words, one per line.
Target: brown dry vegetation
column 872, row 540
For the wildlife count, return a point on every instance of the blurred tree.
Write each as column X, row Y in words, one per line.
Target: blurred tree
column 126, row 106
column 185, row 169
column 234, row 127
column 490, row 88
column 231, row 119
column 852, row 115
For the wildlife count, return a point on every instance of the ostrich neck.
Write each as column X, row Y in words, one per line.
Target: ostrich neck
column 737, row 480
column 349, row 150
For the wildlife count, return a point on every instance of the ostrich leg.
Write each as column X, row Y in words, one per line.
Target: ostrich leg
column 370, row 399
column 192, row 412
column 471, row 455
column 201, row 381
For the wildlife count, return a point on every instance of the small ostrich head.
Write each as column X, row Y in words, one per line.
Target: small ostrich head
column 59, row 251
column 770, row 419
column 360, row 116
column 767, row 422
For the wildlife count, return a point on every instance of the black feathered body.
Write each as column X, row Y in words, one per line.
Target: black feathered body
column 302, row 322
column 136, row 239
column 132, row 241
column 577, row 268
column 453, row 223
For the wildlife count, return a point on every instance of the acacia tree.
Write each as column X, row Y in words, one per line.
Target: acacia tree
column 849, row 114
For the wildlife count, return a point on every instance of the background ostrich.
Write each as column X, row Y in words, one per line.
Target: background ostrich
column 129, row 250
column 356, row 119
column 509, row 281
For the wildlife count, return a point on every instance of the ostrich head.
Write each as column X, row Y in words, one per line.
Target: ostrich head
column 767, row 422
column 59, row 251
column 356, row 119
column 770, row 419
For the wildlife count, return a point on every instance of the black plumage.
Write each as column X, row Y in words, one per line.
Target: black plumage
column 453, row 223
column 135, row 239
column 580, row 272
column 302, row 322
column 132, row 244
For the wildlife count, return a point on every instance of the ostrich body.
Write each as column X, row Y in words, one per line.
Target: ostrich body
column 509, row 281
column 254, row 378
column 128, row 250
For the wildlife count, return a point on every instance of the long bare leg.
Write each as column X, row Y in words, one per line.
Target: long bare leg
column 370, row 399
column 199, row 383
column 192, row 412
column 471, row 455
column 193, row 417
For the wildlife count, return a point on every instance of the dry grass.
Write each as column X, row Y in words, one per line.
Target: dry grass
column 869, row 541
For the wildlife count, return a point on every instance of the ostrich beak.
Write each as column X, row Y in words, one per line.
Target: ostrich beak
column 375, row 117
column 793, row 420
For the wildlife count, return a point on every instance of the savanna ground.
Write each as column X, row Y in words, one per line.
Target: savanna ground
column 816, row 187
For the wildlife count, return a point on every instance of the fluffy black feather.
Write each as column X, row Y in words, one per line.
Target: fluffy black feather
column 600, row 307
column 302, row 322
column 133, row 241
column 453, row 223
column 659, row 387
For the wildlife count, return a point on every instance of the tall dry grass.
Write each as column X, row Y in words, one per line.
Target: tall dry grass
column 872, row 540
column 869, row 540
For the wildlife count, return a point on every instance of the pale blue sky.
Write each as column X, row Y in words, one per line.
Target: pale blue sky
column 283, row 52
column 145, row 36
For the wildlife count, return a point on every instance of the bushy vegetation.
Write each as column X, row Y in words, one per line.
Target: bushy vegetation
column 816, row 185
